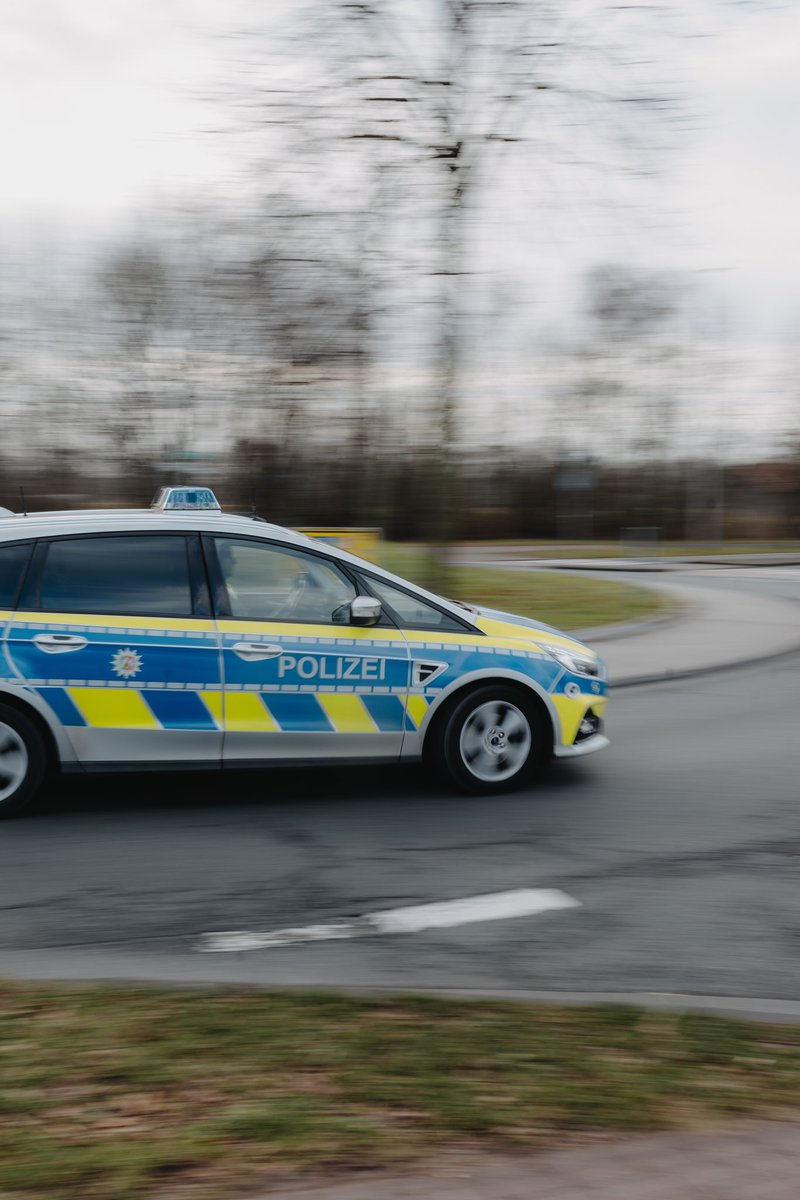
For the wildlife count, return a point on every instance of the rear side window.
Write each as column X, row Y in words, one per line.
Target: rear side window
column 13, row 561
column 140, row 575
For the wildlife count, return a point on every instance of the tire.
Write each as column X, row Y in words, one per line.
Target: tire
column 493, row 740
column 23, row 761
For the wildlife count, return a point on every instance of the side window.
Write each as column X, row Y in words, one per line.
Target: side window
column 136, row 574
column 13, row 561
column 412, row 611
column 279, row 583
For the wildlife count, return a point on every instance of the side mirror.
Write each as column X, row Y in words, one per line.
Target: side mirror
column 363, row 610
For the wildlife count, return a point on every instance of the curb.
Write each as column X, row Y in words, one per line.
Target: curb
column 637, row 566
column 680, row 566
column 770, row 561
column 555, row 565
column 756, row 1008
column 745, row 1007
column 699, row 672
column 663, row 563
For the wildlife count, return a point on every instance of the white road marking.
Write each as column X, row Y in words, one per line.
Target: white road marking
column 497, row 906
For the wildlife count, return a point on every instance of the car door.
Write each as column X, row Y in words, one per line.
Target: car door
column 298, row 684
column 115, row 633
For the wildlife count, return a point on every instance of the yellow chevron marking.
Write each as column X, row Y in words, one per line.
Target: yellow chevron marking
column 189, row 625
column 113, row 708
column 506, row 633
column 246, row 713
column 417, row 707
column 346, row 713
column 571, row 713
column 214, row 703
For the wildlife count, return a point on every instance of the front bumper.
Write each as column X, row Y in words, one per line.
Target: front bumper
column 598, row 741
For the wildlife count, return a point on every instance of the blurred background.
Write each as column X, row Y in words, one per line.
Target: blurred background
column 515, row 273
column 454, row 269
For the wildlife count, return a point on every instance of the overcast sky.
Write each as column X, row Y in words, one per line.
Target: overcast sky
column 102, row 116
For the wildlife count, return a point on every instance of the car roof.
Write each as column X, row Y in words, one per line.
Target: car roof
column 119, row 520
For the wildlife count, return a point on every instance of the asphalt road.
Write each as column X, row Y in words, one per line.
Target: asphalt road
column 681, row 842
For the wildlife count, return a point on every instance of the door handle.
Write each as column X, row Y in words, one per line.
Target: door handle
column 59, row 643
column 256, row 651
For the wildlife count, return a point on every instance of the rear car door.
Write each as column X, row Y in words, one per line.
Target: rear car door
column 298, row 685
column 115, row 633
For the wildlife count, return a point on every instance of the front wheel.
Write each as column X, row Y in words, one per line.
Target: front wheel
column 495, row 739
column 23, row 761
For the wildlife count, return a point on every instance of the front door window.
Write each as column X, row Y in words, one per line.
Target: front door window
column 277, row 583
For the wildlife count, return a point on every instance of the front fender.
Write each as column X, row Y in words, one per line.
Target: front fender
column 413, row 742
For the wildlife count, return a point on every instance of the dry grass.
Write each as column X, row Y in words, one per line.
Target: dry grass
column 115, row 1093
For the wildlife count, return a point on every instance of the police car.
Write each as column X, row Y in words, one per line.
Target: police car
column 182, row 637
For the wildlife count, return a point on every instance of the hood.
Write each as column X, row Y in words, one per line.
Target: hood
column 491, row 620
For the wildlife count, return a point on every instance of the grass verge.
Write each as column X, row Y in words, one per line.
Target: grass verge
column 115, row 1093
column 566, row 601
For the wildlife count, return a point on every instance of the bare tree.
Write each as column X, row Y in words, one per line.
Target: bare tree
column 421, row 102
column 133, row 299
column 627, row 382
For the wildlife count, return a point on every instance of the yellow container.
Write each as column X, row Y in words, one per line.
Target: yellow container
column 366, row 543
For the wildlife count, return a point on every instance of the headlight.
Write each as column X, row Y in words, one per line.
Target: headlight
column 575, row 662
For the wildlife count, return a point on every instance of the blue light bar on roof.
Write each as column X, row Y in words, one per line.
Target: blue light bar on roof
column 186, row 499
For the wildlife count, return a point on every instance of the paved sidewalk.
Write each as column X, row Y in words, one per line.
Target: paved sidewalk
column 755, row 1161
column 717, row 627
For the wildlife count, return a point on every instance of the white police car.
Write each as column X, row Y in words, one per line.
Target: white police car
column 181, row 637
